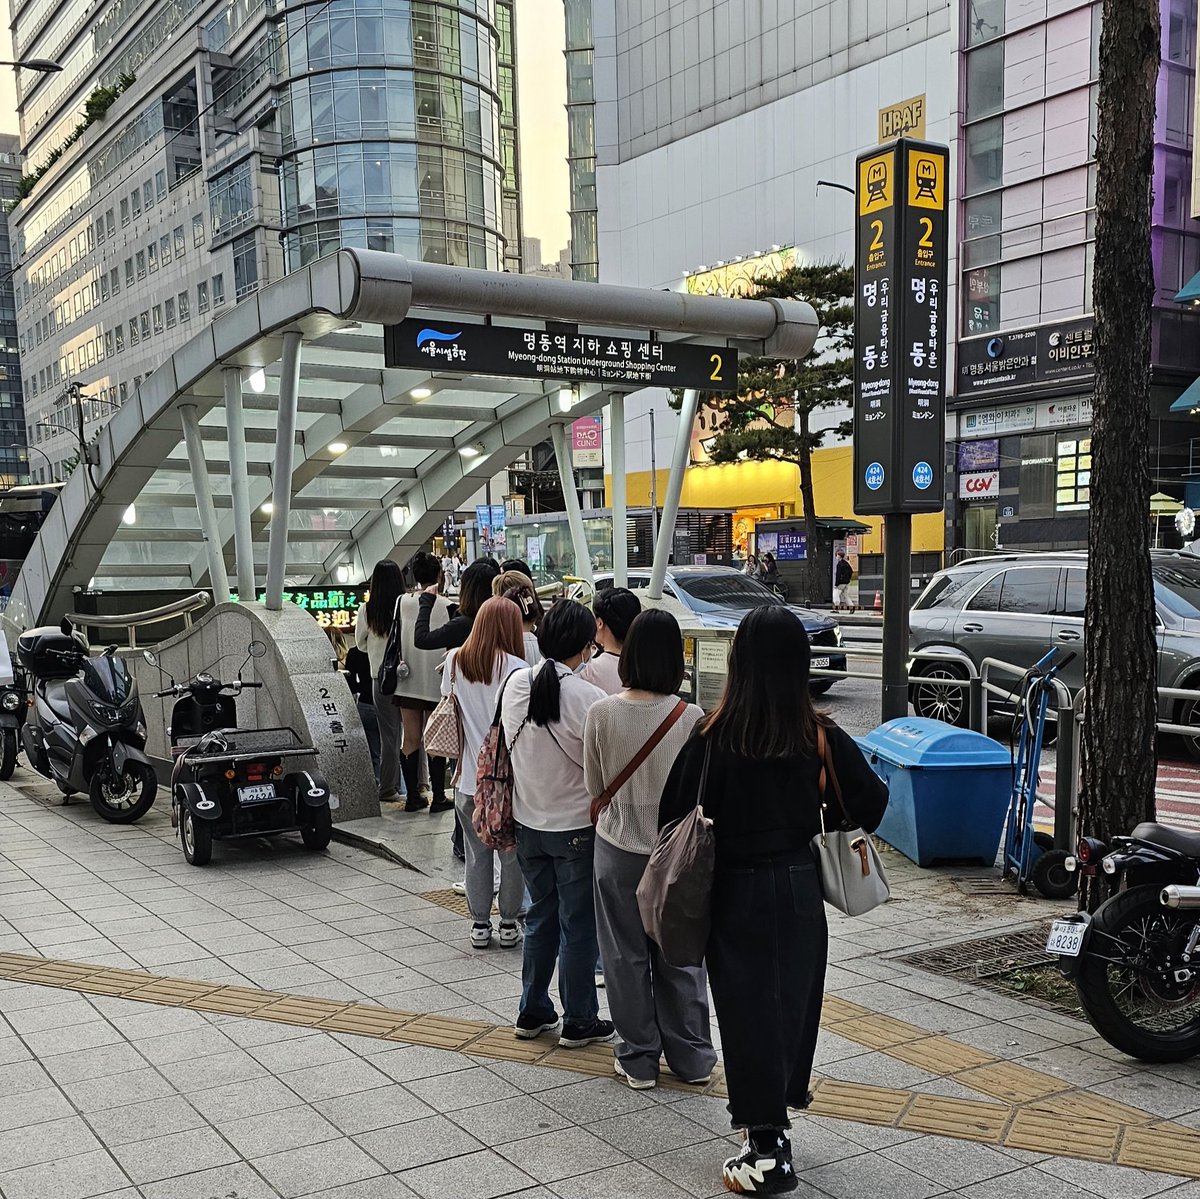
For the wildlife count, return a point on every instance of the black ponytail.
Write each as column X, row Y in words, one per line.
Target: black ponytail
column 564, row 632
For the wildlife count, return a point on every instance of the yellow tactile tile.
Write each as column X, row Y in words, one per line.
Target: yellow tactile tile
column 1040, row 1131
column 366, row 1021
column 968, row 1119
column 1170, row 1148
column 441, row 1032
column 940, row 1055
column 877, row 1031
column 835, row 1010
column 1010, row 1082
column 854, row 1101
column 503, row 1046
column 1094, row 1107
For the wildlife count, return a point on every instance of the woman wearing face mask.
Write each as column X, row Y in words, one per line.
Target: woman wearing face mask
column 615, row 609
column 543, row 714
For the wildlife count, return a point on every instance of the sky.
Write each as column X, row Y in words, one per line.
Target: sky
column 542, row 95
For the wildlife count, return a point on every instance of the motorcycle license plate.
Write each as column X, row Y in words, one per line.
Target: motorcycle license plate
column 1066, row 938
column 820, row 663
column 258, row 793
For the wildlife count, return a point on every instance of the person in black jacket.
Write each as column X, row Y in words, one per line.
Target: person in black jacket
column 474, row 589
column 358, row 674
column 769, row 941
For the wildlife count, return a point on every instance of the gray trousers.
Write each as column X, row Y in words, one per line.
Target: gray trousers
column 390, row 736
column 479, row 872
column 657, row 1008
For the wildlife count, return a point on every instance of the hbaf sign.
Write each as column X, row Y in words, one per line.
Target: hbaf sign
column 979, row 485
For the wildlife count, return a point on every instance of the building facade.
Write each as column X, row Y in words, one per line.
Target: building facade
column 190, row 152
column 13, row 465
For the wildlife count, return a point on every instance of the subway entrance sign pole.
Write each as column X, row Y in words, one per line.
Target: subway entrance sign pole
column 901, row 328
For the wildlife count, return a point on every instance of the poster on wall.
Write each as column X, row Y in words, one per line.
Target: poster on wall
column 587, row 442
column 979, row 455
column 791, row 547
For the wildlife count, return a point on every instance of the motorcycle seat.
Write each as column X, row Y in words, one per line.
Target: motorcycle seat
column 1169, row 838
column 54, row 693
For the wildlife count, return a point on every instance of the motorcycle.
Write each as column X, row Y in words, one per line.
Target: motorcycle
column 86, row 731
column 13, row 705
column 229, row 782
column 1136, row 961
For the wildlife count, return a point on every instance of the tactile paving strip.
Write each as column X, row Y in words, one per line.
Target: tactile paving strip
column 1100, row 1129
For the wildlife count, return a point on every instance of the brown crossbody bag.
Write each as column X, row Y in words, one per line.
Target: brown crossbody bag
column 606, row 796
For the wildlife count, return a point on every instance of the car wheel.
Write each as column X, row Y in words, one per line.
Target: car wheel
column 935, row 698
column 1189, row 714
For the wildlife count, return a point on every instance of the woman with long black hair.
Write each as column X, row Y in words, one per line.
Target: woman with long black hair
column 768, row 943
column 544, row 710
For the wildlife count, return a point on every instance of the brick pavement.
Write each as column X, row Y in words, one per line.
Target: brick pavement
column 111, row 1084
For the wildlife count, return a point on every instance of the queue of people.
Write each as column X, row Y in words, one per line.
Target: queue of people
column 605, row 757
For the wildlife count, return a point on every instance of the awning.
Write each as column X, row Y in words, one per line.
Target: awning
column 1189, row 401
column 846, row 523
column 1191, row 291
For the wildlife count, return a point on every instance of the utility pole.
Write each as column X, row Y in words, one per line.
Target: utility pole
column 653, row 488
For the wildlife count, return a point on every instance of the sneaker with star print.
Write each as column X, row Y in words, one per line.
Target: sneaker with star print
column 764, row 1166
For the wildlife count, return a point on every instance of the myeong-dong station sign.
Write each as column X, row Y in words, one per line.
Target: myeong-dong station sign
column 901, row 321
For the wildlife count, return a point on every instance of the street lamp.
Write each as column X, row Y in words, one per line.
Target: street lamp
column 844, row 187
column 46, row 65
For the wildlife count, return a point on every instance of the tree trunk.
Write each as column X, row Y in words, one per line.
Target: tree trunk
column 818, row 593
column 1121, row 674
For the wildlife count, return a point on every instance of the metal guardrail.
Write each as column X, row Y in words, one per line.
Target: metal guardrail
column 132, row 621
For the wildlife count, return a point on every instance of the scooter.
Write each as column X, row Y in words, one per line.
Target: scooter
column 86, row 730
column 1136, row 961
column 229, row 782
column 13, row 705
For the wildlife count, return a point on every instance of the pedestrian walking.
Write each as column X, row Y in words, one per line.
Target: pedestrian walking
column 544, row 711
column 615, row 609
column 658, row 1009
column 475, row 675
column 843, row 572
column 768, row 941
column 372, row 625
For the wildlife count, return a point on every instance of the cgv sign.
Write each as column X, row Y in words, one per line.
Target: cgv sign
column 979, row 485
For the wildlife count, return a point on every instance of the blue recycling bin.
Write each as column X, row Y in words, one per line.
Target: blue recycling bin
column 949, row 790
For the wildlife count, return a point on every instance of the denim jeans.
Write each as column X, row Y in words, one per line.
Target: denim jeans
column 370, row 723
column 561, row 923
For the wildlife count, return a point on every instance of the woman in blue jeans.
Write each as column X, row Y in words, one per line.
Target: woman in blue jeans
column 544, row 710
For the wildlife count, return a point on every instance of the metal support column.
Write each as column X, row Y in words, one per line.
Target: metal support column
column 281, row 477
column 666, row 526
column 620, row 522
column 897, row 553
column 207, row 510
column 239, row 483
column 566, row 476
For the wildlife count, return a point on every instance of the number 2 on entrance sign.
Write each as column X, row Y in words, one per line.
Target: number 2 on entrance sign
column 877, row 240
column 715, row 377
column 926, row 242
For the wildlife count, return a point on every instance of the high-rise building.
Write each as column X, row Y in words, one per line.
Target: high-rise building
column 581, row 139
column 190, row 152
column 13, row 468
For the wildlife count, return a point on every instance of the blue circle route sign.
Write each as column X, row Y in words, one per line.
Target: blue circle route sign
column 923, row 475
column 874, row 476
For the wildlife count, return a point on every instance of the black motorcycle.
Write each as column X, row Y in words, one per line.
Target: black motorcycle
column 13, row 705
column 85, row 729
column 1136, row 961
column 229, row 782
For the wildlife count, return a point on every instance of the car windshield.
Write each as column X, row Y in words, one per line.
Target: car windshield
column 108, row 678
column 725, row 590
column 1177, row 586
column 948, row 588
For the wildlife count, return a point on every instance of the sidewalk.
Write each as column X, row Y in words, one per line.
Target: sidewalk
column 285, row 1024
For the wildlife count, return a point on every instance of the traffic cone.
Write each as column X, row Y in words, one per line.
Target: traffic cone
column 879, row 601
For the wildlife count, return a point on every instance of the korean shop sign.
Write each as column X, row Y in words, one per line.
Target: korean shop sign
column 900, row 320
column 332, row 608
column 558, row 352
column 1022, row 358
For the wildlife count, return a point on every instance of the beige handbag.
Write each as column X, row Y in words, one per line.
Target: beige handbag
column 852, row 876
column 443, row 729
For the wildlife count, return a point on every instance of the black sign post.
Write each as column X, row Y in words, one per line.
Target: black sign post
column 902, row 325
column 558, row 352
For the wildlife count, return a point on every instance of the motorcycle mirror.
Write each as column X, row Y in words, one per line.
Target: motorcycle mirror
column 66, row 627
column 150, row 657
column 257, row 649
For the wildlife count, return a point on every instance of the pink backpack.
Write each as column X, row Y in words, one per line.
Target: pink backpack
column 493, row 816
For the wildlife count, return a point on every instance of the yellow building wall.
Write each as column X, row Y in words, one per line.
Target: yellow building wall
column 758, row 484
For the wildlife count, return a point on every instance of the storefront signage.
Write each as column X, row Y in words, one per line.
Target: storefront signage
column 587, row 442
column 988, row 422
column 332, row 608
column 900, row 318
column 740, row 279
column 1020, row 418
column 906, row 119
column 1060, row 414
column 978, row 455
column 791, row 547
column 560, row 352
column 980, row 485
column 1026, row 357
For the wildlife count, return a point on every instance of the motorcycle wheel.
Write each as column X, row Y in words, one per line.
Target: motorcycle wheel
column 196, row 838
column 124, row 800
column 317, row 832
column 1131, row 1005
column 8, row 756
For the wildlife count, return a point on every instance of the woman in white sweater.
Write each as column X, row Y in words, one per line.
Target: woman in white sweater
column 659, row 1009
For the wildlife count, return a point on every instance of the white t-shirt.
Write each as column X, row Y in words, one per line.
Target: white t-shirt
column 549, row 792
column 477, row 703
column 603, row 672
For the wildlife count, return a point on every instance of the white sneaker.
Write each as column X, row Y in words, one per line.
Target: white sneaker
column 481, row 935
column 460, row 887
column 599, row 979
column 510, row 934
column 638, row 1084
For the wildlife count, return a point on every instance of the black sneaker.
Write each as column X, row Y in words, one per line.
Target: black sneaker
column 764, row 1166
column 414, row 805
column 528, row 1027
column 576, row 1034
column 442, row 805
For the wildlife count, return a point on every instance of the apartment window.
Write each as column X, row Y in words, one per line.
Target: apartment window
column 103, row 288
column 985, row 81
column 180, row 242
column 110, row 344
column 160, row 184
column 100, row 232
column 114, row 278
column 985, row 20
column 120, row 332
column 185, row 307
column 95, row 292
column 144, row 321
column 70, row 362
column 158, row 318
column 124, row 393
column 245, row 265
column 197, row 231
column 202, row 297
column 169, row 313
column 148, row 194
column 109, row 223
column 141, row 264
column 164, row 249
column 133, row 332
column 135, row 201
column 74, row 251
column 218, row 290
column 129, row 272
column 981, row 299
column 152, row 257
column 985, row 155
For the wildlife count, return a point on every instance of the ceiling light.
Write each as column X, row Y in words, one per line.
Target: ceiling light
column 471, row 451
column 130, row 515
column 566, row 399
column 421, row 393
column 257, row 380
column 399, row 514
column 343, row 574
column 267, row 508
column 338, row 447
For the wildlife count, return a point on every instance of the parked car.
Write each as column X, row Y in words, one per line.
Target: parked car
column 717, row 597
column 1015, row 607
